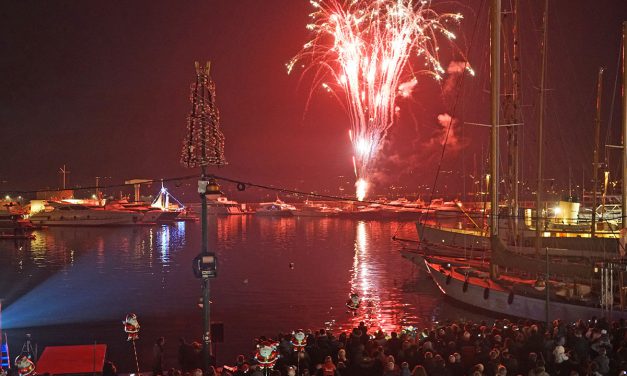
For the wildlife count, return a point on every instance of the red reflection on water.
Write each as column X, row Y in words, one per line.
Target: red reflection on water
column 230, row 227
column 378, row 309
column 276, row 228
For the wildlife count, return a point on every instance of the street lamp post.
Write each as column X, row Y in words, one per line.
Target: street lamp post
column 203, row 147
column 205, row 265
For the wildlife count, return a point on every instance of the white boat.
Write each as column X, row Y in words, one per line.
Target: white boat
column 277, row 208
column 12, row 219
column 61, row 214
column 361, row 212
column 148, row 215
column 224, row 206
column 402, row 208
column 311, row 209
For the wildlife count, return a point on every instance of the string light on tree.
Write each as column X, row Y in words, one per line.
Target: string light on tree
column 204, row 142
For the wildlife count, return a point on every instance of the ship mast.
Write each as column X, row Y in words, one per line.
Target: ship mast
column 541, row 130
column 495, row 62
column 512, row 117
column 545, row 27
column 595, row 165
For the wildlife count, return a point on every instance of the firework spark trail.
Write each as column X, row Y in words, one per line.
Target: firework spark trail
column 372, row 42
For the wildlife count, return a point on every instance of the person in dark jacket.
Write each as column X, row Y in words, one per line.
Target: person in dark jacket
column 157, row 357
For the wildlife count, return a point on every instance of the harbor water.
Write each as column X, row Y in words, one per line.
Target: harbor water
column 75, row 285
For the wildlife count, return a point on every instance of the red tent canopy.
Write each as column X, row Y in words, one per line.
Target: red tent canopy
column 59, row 360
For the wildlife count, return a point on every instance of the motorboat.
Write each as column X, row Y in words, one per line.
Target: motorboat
column 51, row 213
column 276, row 208
column 363, row 212
column 12, row 219
column 148, row 215
column 224, row 206
column 312, row 209
column 402, row 208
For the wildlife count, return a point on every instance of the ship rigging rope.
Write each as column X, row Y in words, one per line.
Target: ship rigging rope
column 460, row 85
column 608, row 130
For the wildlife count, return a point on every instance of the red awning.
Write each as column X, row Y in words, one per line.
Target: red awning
column 59, row 360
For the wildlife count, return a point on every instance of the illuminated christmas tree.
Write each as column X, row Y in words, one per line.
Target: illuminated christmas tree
column 204, row 142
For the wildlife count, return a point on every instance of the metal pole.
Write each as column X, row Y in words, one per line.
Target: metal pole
column 624, row 175
column 595, row 166
column 548, row 294
column 541, row 128
column 204, row 145
column 206, row 310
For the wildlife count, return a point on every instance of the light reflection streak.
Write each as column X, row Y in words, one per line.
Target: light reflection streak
column 165, row 245
column 377, row 311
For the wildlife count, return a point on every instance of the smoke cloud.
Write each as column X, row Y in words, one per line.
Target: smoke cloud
column 456, row 67
column 451, row 82
column 439, row 137
column 405, row 89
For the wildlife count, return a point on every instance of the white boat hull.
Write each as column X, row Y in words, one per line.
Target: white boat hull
column 277, row 208
column 224, row 210
column 85, row 221
column 274, row 213
column 313, row 213
column 79, row 215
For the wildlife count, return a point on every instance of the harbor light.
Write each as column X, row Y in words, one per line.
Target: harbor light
column 212, row 189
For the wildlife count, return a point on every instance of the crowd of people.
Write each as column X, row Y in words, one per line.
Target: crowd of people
column 591, row 347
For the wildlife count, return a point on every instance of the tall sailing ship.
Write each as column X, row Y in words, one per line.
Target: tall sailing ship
column 581, row 275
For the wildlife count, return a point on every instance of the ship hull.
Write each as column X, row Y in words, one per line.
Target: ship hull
column 444, row 239
column 282, row 213
column 501, row 301
column 452, row 237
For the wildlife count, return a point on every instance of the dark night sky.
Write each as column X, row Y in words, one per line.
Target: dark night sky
column 103, row 87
